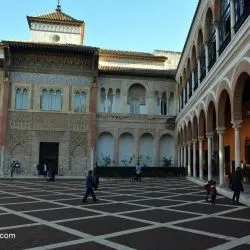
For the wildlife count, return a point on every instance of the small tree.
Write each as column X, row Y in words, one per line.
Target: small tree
column 167, row 162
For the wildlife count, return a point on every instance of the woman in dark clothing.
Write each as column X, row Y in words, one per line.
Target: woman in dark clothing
column 236, row 184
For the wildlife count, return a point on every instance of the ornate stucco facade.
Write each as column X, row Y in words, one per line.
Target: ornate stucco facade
column 81, row 103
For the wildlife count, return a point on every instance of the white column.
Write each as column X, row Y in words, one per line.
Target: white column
column 236, row 126
column 194, row 158
column 217, row 35
column 232, row 16
column 206, row 56
column 189, row 158
column 209, row 157
column 221, row 155
column 201, row 157
column 199, row 70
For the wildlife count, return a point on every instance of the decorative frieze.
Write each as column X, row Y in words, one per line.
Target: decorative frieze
column 51, row 79
column 56, row 28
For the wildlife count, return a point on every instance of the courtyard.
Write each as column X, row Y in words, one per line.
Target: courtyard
column 166, row 213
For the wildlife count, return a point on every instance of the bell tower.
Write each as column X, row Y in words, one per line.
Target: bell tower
column 56, row 27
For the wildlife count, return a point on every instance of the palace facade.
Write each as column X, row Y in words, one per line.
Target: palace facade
column 213, row 90
column 71, row 105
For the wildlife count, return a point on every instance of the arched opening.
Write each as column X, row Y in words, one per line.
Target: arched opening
column 146, row 152
column 195, row 67
column 137, row 99
column 224, row 121
column 117, row 102
column 171, row 109
column 185, row 85
column 202, row 55
column 202, row 134
column 167, row 150
column 195, row 138
column 105, row 150
column 189, row 78
column 126, row 150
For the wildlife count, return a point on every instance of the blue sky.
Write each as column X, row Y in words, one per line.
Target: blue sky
column 136, row 25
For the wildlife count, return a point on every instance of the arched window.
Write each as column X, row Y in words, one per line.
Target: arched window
column 211, row 40
column 164, row 104
column 202, row 56
column 103, row 100
column 51, row 101
column 242, row 11
column 80, row 102
column 225, row 24
column 21, row 99
column 136, row 98
column 110, row 99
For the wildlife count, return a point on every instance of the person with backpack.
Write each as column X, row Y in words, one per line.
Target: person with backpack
column 90, row 184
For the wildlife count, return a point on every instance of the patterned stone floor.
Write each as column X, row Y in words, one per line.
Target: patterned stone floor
column 155, row 214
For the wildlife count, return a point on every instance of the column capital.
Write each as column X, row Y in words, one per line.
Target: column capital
column 201, row 138
column 210, row 134
column 220, row 130
column 194, row 141
column 237, row 124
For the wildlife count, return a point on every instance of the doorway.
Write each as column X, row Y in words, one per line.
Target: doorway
column 48, row 154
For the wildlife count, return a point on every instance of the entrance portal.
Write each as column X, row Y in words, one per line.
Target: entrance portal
column 49, row 154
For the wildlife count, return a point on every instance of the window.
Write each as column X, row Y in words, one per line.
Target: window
column 164, row 104
column 195, row 77
column 21, row 99
column 203, row 63
column 134, row 106
column 242, row 11
column 110, row 99
column 51, row 101
column 225, row 24
column 136, row 98
column 79, row 102
column 211, row 43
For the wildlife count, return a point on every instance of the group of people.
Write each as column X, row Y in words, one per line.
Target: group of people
column 235, row 184
column 46, row 170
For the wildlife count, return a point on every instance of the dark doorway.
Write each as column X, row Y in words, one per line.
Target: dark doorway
column 49, row 152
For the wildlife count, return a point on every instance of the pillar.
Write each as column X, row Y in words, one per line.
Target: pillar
column 201, row 138
column 194, row 158
column 192, row 82
column 209, row 157
column 185, row 156
column 236, row 126
column 206, row 56
column 189, row 158
column 221, row 155
column 199, row 70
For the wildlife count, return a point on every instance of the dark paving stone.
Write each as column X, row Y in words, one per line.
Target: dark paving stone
column 4, row 195
column 160, row 215
column 243, row 214
column 14, row 200
column 202, row 208
column 86, row 246
column 155, row 194
column 184, row 191
column 166, row 238
column 188, row 197
column 123, row 198
column 117, row 207
column 31, row 206
column 157, row 202
column 55, row 197
column 7, row 220
column 35, row 236
column 103, row 225
column 220, row 226
column 34, row 193
column 61, row 214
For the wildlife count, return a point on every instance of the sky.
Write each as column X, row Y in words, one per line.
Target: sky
column 135, row 25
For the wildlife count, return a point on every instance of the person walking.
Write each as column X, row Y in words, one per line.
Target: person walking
column 236, row 185
column 12, row 168
column 138, row 172
column 90, row 184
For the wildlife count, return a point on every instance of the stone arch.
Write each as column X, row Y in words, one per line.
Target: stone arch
column 126, row 150
column 166, row 148
column 184, row 77
column 238, row 96
column 193, row 57
column 202, row 123
column 146, row 154
column 200, row 41
column 195, row 128
column 211, row 117
column 208, row 19
column 105, row 149
column 185, row 134
column 171, row 106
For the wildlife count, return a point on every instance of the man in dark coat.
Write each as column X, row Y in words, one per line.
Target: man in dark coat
column 90, row 184
column 236, row 184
